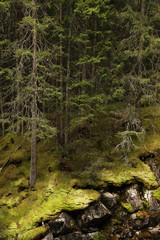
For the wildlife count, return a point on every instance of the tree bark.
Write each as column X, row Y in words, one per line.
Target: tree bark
column 61, row 78
column 67, row 91
column 141, row 42
column 33, row 172
column 93, row 64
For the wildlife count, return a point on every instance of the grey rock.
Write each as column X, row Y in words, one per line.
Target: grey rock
column 91, row 236
column 109, row 199
column 92, row 217
column 154, row 218
column 49, row 236
column 139, row 223
column 155, row 231
column 62, row 225
column 72, row 236
column 123, row 215
column 133, row 197
column 153, row 203
column 78, row 236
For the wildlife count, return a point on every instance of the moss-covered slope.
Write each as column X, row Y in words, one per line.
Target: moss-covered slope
column 23, row 211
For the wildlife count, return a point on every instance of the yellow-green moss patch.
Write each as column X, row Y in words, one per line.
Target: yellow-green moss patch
column 121, row 173
column 128, row 207
column 156, row 194
column 35, row 233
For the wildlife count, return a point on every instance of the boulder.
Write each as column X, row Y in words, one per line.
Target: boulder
column 109, row 199
column 154, row 218
column 139, row 221
column 92, row 217
column 155, row 231
column 72, row 236
column 49, row 236
column 77, row 236
column 154, row 205
column 62, row 225
column 133, row 197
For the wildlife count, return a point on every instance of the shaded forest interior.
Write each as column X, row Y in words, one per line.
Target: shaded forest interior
column 78, row 74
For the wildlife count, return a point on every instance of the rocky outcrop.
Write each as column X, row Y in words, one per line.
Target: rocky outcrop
column 132, row 196
column 109, row 199
column 92, row 217
column 77, row 236
column 62, row 225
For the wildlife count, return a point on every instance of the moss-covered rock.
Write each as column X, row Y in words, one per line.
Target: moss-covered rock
column 33, row 234
column 121, row 173
column 156, row 194
column 127, row 206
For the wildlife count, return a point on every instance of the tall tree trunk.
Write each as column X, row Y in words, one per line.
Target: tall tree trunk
column 61, row 78
column 67, row 91
column 2, row 116
column 33, row 172
column 93, row 64
column 141, row 42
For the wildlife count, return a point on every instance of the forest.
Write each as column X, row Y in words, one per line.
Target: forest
column 79, row 112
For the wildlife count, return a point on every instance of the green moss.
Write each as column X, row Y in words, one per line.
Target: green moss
column 156, row 194
column 128, row 207
column 11, row 201
column 33, row 234
column 121, row 173
column 54, row 192
column 22, row 211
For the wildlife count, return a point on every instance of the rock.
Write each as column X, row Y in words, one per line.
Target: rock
column 49, row 236
column 72, row 236
column 128, row 233
column 154, row 218
column 78, row 236
column 91, row 236
column 153, row 203
column 109, row 199
column 155, row 168
column 92, row 217
column 133, row 197
column 62, row 225
column 139, row 221
column 123, row 215
column 155, row 231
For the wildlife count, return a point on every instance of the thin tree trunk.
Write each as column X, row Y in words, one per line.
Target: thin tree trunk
column 61, row 78
column 93, row 64
column 141, row 42
column 2, row 115
column 33, row 173
column 67, row 92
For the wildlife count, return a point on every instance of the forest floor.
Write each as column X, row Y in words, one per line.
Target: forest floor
column 69, row 184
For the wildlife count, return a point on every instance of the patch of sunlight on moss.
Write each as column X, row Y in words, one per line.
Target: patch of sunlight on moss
column 156, row 194
column 122, row 173
column 50, row 203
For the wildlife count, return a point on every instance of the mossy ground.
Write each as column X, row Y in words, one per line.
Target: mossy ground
column 23, row 211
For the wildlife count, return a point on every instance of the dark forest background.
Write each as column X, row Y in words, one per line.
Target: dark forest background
column 64, row 64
